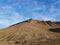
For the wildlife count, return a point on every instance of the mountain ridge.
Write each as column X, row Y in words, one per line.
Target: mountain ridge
column 29, row 20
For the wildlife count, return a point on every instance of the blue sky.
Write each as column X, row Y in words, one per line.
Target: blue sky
column 14, row 11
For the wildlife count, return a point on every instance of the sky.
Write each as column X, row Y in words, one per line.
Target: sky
column 14, row 11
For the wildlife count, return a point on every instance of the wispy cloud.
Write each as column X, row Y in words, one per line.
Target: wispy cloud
column 47, row 11
column 9, row 16
column 13, row 11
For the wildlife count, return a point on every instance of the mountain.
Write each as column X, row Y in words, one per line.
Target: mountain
column 31, row 32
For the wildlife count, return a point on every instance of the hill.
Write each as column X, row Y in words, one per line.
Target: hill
column 31, row 32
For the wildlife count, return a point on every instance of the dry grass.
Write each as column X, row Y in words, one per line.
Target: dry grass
column 31, row 32
column 55, row 42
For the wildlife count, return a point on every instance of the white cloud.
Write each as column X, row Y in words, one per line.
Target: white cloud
column 43, row 17
column 4, row 22
column 40, row 7
column 16, row 17
column 9, row 16
column 57, row 2
column 6, row 7
column 51, row 14
column 54, row 10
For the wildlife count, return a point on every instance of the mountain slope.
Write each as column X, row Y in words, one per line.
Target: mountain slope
column 30, row 31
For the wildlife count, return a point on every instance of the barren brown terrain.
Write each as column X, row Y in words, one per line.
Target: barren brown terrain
column 31, row 32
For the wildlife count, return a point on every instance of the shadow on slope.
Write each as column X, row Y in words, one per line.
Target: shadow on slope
column 55, row 30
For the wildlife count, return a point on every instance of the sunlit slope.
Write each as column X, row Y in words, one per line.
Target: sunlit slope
column 30, row 31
